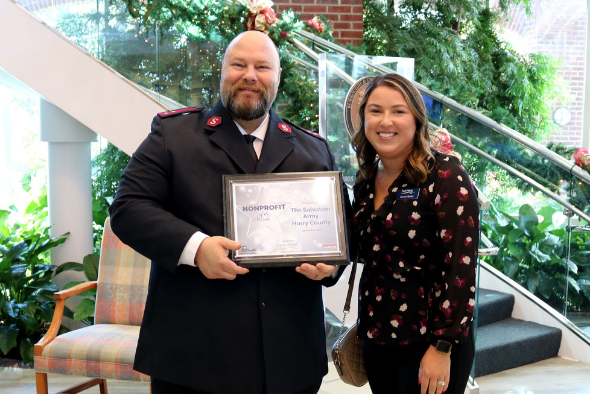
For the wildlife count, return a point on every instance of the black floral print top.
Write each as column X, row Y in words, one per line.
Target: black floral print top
column 419, row 251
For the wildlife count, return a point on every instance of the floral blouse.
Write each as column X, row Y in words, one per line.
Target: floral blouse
column 419, row 251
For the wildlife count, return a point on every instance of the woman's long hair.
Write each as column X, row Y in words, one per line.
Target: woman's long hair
column 416, row 168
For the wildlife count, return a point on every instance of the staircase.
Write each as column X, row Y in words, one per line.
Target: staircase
column 503, row 342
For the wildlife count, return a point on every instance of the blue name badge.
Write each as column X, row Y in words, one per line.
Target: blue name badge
column 408, row 194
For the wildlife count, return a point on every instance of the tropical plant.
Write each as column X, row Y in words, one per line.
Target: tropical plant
column 85, row 310
column 26, row 287
column 535, row 254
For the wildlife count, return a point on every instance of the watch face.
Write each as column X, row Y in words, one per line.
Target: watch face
column 443, row 346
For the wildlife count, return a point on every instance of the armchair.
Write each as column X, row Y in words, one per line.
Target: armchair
column 105, row 350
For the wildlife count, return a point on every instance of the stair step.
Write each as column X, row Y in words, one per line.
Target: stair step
column 511, row 343
column 493, row 307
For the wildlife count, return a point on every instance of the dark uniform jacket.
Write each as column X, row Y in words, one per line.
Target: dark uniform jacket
column 263, row 331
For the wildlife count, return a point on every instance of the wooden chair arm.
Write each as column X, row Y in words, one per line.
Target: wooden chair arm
column 58, row 314
column 62, row 295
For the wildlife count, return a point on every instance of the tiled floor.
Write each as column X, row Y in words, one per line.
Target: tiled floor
column 554, row 376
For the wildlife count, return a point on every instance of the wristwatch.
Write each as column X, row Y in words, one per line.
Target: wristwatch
column 443, row 346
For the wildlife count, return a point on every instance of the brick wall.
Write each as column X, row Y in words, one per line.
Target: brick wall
column 558, row 28
column 346, row 15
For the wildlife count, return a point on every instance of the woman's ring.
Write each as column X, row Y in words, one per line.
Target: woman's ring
column 442, row 383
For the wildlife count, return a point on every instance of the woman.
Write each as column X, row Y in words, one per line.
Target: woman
column 416, row 223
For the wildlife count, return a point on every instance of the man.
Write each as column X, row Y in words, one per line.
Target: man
column 211, row 326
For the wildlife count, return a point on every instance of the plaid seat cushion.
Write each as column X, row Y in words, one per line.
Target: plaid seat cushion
column 101, row 351
column 123, row 279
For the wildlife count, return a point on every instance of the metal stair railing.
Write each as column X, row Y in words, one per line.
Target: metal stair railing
column 541, row 150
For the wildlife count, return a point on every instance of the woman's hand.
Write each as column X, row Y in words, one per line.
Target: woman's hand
column 435, row 370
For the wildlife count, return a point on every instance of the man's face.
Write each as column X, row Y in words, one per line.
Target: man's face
column 250, row 76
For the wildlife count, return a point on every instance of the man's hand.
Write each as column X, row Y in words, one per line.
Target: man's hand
column 316, row 272
column 212, row 260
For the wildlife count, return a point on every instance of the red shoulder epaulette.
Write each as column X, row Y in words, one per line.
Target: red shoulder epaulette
column 181, row 111
column 301, row 128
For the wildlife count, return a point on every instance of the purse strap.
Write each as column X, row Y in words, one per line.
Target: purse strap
column 347, row 304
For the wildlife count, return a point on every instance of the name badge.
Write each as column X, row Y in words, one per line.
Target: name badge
column 407, row 194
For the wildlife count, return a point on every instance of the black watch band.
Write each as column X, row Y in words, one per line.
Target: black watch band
column 443, row 346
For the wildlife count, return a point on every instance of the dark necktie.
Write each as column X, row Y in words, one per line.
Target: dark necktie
column 250, row 140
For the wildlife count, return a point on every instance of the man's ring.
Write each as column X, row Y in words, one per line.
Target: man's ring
column 316, row 276
column 441, row 383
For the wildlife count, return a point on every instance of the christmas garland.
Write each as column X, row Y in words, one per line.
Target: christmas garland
column 220, row 21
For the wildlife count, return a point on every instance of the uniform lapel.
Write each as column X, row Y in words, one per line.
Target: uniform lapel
column 277, row 146
column 227, row 136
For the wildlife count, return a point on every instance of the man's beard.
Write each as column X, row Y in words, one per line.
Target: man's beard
column 246, row 109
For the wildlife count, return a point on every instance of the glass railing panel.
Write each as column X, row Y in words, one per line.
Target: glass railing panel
column 528, row 227
column 506, row 150
column 577, row 308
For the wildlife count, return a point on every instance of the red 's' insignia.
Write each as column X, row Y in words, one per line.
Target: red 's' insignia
column 284, row 127
column 214, row 121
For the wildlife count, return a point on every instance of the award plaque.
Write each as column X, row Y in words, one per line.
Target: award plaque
column 286, row 219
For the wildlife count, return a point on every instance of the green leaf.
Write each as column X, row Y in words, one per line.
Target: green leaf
column 538, row 255
column 510, row 266
column 572, row 282
column 527, row 218
column 515, row 234
column 3, row 216
column 30, row 324
column 546, row 284
column 515, row 250
column 547, row 213
column 72, row 284
column 84, row 310
column 27, row 350
column 28, row 308
column 70, row 266
column 510, row 218
column 8, row 338
column 32, row 207
column 90, row 263
column 45, row 312
column 4, row 264
column 88, row 293
column 572, row 266
column 552, row 240
column 17, row 250
column 8, row 309
column 505, row 230
column 19, row 270
column 532, row 280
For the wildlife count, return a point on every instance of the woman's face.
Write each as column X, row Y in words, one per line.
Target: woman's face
column 389, row 124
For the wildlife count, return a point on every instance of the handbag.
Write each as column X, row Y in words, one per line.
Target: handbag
column 347, row 351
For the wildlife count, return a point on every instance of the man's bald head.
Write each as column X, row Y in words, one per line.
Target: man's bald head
column 250, row 76
column 254, row 40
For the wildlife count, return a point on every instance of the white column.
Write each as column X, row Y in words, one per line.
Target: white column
column 69, row 186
